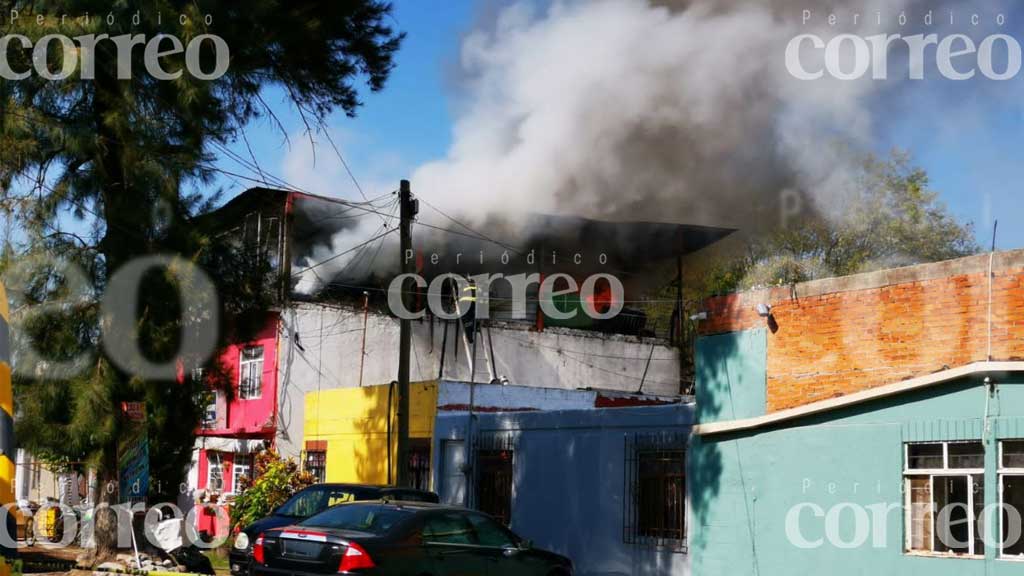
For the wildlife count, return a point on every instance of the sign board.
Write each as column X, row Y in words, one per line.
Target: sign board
column 133, row 454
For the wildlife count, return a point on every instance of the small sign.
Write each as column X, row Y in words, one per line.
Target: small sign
column 134, row 411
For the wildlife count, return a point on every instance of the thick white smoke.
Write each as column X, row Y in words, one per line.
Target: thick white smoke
column 622, row 110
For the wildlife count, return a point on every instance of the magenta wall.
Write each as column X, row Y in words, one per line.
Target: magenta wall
column 253, row 417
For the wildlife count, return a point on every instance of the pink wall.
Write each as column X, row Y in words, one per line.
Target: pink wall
column 256, row 416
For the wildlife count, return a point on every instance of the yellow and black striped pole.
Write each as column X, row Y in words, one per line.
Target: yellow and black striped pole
column 7, row 454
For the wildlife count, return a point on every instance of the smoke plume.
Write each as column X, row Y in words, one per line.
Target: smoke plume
column 618, row 109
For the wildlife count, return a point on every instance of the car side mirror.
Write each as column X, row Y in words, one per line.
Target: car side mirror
column 525, row 544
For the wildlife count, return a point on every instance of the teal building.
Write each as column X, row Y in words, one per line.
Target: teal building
column 924, row 476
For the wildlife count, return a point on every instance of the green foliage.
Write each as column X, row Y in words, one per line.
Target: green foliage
column 100, row 172
column 892, row 219
column 274, row 481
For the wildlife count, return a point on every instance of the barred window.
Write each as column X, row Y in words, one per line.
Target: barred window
column 655, row 499
column 495, row 464
column 316, row 464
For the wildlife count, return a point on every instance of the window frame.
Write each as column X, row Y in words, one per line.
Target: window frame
column 1003, row 472
column 322, row 476
column 212, row 455
column 932, row 474
column 248, row 392
column 665, row 479
column 636, row 450
column 239, row 462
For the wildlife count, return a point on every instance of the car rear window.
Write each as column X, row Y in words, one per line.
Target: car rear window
column 316, row 499
column 412, row 496
column 369, row 518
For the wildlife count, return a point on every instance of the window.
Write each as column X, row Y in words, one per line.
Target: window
column 369, row 518
column 494, row 489
column 250, row 383
column 242, row 468
column 316, row 464
column 1011, row 494
column 419, row 463
column 214, row 472
column 661, row 494
column 210, row 411
column 490, row 533
column 316, row 499
column 945, row 497
column 448, row 528
column 204, row 397
column 655, row 501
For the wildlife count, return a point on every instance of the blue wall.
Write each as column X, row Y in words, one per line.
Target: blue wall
column 569, row 481
column 743, row 485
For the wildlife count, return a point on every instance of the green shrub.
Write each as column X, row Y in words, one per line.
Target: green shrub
column 274, row 481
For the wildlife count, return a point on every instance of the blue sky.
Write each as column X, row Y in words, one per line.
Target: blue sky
column 397, row 129
column 968, row 142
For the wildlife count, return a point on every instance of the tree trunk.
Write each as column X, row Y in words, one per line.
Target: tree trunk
column 123, row 239
column 105, row 517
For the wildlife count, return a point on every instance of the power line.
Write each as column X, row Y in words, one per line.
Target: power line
column 340, row 254
column 478, row 234
column 337, row 152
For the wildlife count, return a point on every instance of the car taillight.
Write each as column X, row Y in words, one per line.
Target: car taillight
column 257, row 550
column 355, row 557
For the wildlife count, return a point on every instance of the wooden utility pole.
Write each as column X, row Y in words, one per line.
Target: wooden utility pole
column 407, row 212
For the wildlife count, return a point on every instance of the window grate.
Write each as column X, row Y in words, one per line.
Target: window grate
column 316, row 464
column 495, row 461
column 654, row 502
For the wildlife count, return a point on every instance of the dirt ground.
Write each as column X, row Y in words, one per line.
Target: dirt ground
column 41, row 560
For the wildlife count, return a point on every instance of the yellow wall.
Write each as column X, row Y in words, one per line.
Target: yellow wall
column 353, row 422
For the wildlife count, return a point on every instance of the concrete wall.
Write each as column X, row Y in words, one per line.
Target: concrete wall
column 742, row 486
column 837, row 336
column 569, row 481
column 731, row 376
column 320, row 350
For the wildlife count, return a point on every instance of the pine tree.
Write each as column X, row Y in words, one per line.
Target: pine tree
column 129, row 159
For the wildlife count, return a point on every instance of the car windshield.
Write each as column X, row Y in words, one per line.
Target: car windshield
column 316, row 499
column 369, row 518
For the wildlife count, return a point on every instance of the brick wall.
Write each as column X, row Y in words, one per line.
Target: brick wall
column 833, row 337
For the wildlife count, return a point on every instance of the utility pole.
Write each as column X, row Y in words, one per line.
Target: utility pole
column 408, row 210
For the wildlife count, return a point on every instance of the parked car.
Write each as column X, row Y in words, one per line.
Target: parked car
column 308, row 502
column 386, row 538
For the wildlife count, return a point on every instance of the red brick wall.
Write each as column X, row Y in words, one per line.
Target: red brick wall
column 832, row 338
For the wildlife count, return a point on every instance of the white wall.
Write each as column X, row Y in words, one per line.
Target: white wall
column 320, row 350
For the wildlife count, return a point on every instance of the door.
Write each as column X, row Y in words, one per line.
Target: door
column 453, row 487
column 450, row 543
column 501, row 546
column 494, row 489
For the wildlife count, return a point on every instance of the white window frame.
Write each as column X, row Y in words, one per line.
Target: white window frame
column 210, row 413
column 210, row 457
column 1001, row 473
column 248, row 366
column 932, row 474
column 236, row 467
